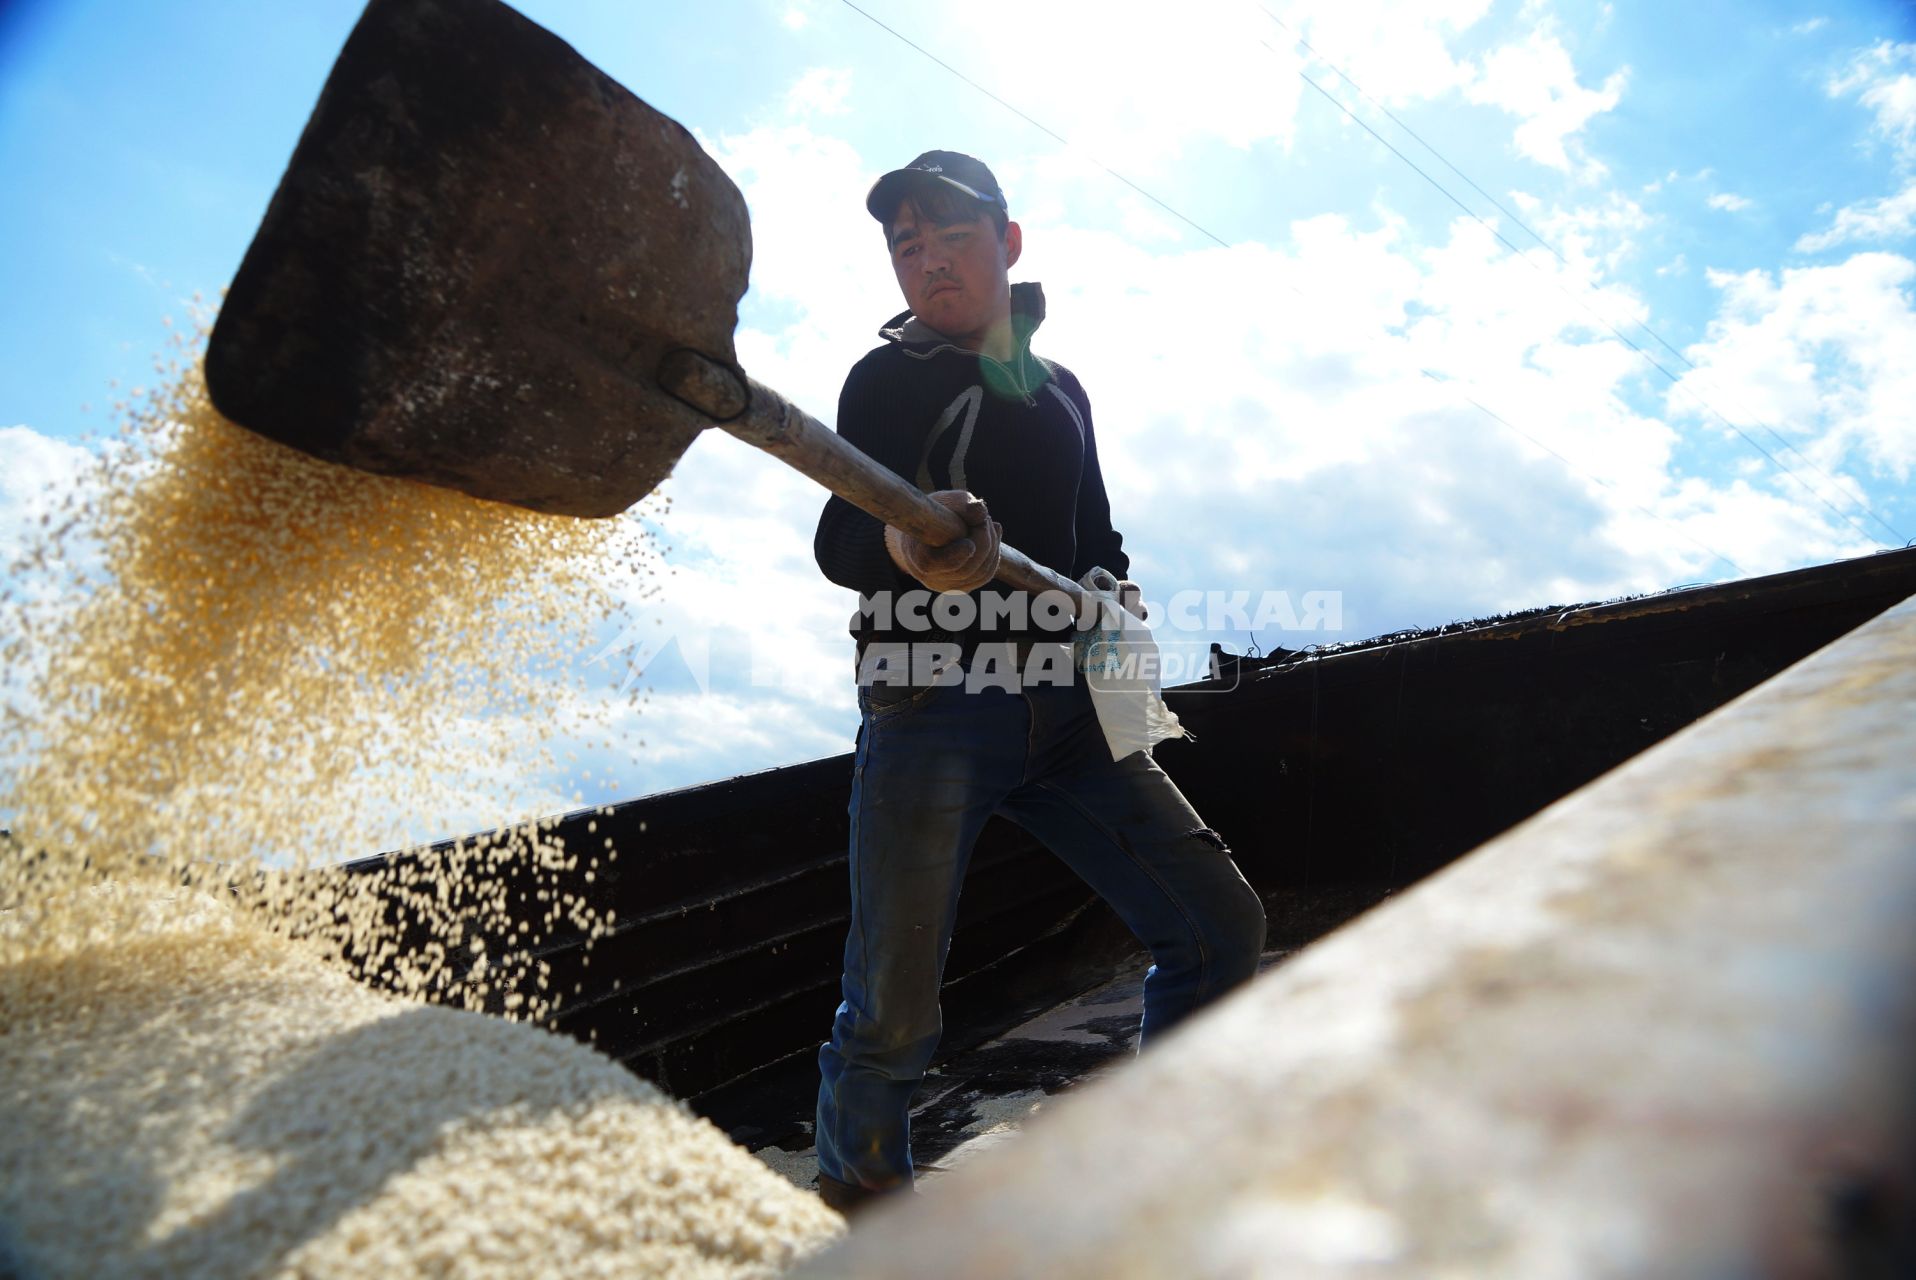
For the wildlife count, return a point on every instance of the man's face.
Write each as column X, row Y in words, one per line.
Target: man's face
column 953, row 276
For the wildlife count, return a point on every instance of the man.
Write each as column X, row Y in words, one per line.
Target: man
column 956, row 402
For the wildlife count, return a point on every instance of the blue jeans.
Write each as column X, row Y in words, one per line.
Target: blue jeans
column 932, row 764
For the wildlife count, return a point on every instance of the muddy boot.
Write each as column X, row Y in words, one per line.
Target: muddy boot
column 849, row 1198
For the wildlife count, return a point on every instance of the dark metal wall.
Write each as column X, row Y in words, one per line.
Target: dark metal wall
column 1381, row 764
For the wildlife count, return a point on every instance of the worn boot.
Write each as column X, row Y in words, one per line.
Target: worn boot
column 848, row 1198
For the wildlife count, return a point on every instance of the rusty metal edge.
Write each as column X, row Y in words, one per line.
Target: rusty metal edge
column 1861, row 570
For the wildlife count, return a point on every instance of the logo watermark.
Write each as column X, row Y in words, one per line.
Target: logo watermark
column 1053, row 611
column 920, row 636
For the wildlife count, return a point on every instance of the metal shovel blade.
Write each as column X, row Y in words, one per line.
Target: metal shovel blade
column 481, row 251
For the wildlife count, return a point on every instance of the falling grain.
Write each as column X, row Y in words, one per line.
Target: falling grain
column 231, row 665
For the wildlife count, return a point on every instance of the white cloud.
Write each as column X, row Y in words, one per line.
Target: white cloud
column 1312, row 428
column 1138, row 91
column 1730, row 202
column 1536, row 80
column 1127, row 87
column 1399, row 51
column 1884, row 79
column 40, row 470
column 820, row 91
column 820, row 280
column 1595, row 237
column 41, row 477
column 1868, row 221
column 1809, row 25
column 1826, row 355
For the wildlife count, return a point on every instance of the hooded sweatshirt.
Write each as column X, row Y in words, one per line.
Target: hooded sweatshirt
column 1017, row 434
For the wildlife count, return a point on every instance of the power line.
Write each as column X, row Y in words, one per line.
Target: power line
column 1219, row 240
column 1563, row 262
column 1392, row 117
column 1188, row 221
column 1561, row 288
column 1534, row 235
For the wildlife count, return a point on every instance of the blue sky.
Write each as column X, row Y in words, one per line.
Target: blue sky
column 1289, row 410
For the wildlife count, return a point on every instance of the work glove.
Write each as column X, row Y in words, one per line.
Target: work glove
column 960, row 565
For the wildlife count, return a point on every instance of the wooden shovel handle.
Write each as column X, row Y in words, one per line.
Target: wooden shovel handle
column 784, row 430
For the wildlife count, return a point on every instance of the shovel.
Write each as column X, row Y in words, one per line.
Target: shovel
column 491, row 267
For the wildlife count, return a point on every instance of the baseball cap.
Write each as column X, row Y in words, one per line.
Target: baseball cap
column 954, row 168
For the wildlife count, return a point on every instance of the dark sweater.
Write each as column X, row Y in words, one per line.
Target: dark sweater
column 1017, row 435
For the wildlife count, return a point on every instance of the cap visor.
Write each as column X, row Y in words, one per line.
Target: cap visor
column 888, row 191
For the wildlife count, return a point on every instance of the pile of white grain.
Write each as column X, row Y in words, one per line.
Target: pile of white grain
column 229, row 664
